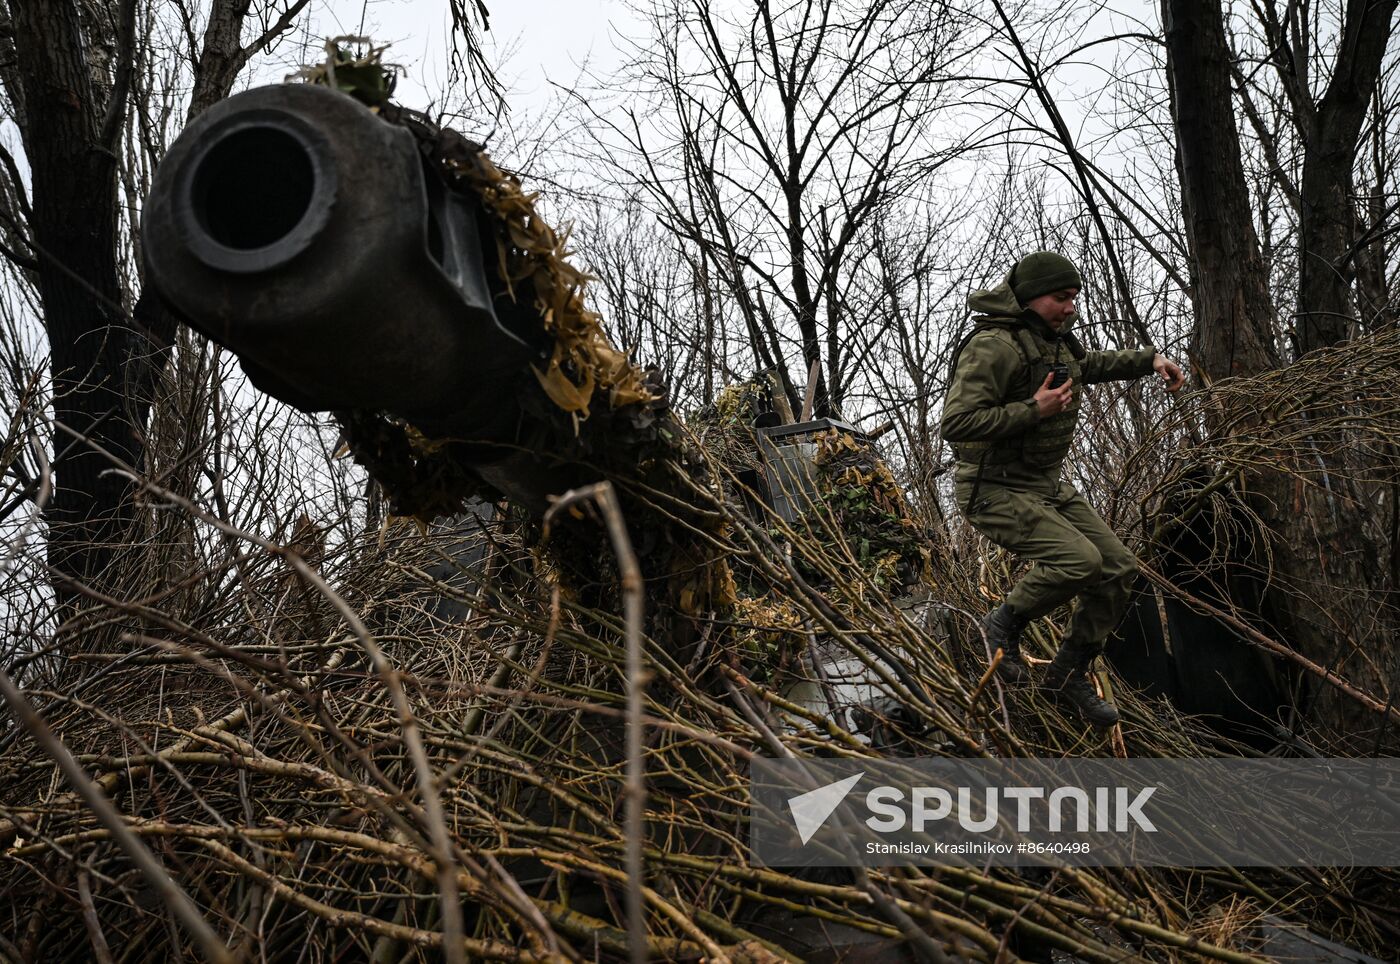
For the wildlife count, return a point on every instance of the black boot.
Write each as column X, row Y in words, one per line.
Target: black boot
column 1004, row 627
column 1067, row 678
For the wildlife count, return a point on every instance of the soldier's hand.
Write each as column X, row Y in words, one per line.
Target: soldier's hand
column 1052, row 401
column 1170, row 371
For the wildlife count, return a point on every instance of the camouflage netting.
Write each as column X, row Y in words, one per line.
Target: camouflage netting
column 591, row 411
column 868, row 512
column 587, row 396
column 256, row 740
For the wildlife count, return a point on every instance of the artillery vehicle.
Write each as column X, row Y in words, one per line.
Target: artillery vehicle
column 326, row 249
column 356, row 262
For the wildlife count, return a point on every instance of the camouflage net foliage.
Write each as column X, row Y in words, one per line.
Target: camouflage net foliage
column 853, row 506
column 591, row 388
column 868, row 507
column 532, row 262
column 589, row 405
column 725, row 427
column 295, row 743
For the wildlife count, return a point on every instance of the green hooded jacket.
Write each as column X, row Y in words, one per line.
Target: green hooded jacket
column 989, row 414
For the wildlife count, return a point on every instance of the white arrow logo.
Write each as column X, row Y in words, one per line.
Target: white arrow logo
column 810, row 809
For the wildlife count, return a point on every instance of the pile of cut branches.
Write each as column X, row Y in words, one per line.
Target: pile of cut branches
column 294, row 761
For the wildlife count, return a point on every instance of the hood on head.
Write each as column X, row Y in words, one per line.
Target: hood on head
column 1001, row 302
column 998, row 302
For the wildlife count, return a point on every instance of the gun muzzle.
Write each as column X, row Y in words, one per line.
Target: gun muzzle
column 307, row 235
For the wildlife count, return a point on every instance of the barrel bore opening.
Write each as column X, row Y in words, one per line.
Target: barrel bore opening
column 253, row 187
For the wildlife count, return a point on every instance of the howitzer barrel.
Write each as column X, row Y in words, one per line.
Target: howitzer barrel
column 307, row 235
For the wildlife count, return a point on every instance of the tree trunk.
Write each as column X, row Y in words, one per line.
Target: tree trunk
column 805, row 303
column 1320, row 597
column 73, row 74
column 1327, row 262
column 1335, row 541
column 1234, row 332
column 1326, row 268
column 1373, row 287
column 74, row 226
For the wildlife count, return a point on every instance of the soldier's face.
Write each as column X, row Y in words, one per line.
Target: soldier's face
column 1056, row 307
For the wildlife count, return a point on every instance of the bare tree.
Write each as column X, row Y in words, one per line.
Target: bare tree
column 82, row 75
column 1325, row 595
column 1329, row 131
column 771, row 143
column 660, row 303
column 1235, row 326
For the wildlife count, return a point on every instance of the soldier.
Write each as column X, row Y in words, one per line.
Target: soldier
column 1012, row 405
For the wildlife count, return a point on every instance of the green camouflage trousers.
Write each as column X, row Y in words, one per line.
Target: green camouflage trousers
column 1074, row 551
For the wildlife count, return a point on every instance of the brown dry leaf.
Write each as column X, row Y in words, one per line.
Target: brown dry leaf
column 725, row 592
column 519, row 236
column 612, row 364
column 624, row 395
column 531, row 255
column 564, row 393
column 423, row 445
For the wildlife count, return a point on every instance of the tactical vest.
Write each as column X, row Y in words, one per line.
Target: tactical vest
column 1048, row 442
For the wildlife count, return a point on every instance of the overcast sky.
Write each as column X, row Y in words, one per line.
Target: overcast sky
column 532, row 41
